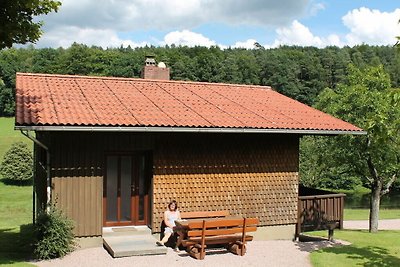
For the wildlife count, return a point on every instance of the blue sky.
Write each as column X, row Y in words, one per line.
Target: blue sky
column 227, row 23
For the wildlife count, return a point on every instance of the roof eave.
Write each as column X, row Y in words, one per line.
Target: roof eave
column 183, row 130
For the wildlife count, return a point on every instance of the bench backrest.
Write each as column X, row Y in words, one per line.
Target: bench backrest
column 222, row 227
column 204, row 214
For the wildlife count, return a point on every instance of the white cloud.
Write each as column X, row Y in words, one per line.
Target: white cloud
column 131, row 15
column 372, row 26
column 315, row 8
column 101, row 22
column 91, row 17
column 365, row 26
column 248, row 44
column 296, row 34
column 65, row 36
column 254, row 12
column 334, row 39
column 187, row 38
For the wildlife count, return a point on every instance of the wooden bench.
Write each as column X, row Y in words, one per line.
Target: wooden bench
column 230, row 232
column 204, row 214
column 193, row 215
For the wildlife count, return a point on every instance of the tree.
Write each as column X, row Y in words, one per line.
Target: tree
column 6, row 100
column 11, row 61
column 17, row 164
column 16, row 20
column 318, row 164
column 398, row 40
column 367, row 101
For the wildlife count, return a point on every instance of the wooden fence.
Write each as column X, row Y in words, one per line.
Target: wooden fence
column 319, row 210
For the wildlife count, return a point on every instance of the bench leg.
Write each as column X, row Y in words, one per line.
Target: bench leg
column 330, row 234
column 236, row 249
column 194, row 252
column 202, row 253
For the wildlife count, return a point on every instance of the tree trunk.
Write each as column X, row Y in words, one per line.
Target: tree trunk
column 374, row 208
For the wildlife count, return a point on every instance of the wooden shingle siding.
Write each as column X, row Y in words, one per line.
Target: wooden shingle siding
column 252, row 176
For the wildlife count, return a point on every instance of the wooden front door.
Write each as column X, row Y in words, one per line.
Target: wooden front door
column 126, row 187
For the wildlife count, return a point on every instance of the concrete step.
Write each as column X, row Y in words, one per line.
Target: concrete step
column 126, row 231
column 132, row 245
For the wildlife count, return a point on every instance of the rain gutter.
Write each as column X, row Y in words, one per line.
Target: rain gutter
column 184, row 130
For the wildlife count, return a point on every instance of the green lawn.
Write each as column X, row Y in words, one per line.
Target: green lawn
column 15, row 207
column 363, row 214
column 15, row 224
column 8, row 135
column 366, row 249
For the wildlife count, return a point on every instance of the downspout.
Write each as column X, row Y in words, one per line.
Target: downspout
column 48, row 178
column 34, row 210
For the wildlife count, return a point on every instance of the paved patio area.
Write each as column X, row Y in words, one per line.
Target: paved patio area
column 259, row 253
column 393, row 224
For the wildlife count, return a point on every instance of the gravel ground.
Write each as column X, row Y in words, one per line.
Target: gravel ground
column 259, row 253
column 393, row 224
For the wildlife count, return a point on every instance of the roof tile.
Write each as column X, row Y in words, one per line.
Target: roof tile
column 62, row 100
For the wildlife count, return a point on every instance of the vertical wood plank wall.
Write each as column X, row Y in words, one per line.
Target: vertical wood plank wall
column 80, row 199
column 249, row 175
column 77, row 180
column 40, row 176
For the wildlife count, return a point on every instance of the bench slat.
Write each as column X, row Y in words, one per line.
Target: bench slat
column 214, row 240
column 227, row 231
column 223, row 223
column 216, row 223
column 204, row 214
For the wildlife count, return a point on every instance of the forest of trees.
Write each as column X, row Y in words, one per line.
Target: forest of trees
column 302, row 73
column 298, row 72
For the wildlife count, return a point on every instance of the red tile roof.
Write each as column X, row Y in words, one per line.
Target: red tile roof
column 65, row 100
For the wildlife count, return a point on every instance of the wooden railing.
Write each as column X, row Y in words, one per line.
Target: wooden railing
column 319, row 210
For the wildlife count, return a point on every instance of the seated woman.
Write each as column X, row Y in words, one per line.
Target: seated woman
column 170, row 216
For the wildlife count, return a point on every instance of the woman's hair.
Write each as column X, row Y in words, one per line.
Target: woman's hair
column 173, row 202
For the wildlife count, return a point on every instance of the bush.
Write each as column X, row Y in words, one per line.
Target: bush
column 54, row 235
column 17, row 165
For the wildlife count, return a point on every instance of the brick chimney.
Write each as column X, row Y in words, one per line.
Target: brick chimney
column 153, row 71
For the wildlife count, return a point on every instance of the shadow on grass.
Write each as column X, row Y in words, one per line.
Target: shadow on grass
column 17, row 183
column 312, row 243
column 368, row 256
column 16, row 246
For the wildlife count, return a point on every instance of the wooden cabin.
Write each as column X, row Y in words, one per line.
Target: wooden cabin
column 115, row 151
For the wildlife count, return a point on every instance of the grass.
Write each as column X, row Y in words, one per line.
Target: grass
column 15, row 224
column 366, row 249
column 15, row 207
column 8, row 135
column 363, row 214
